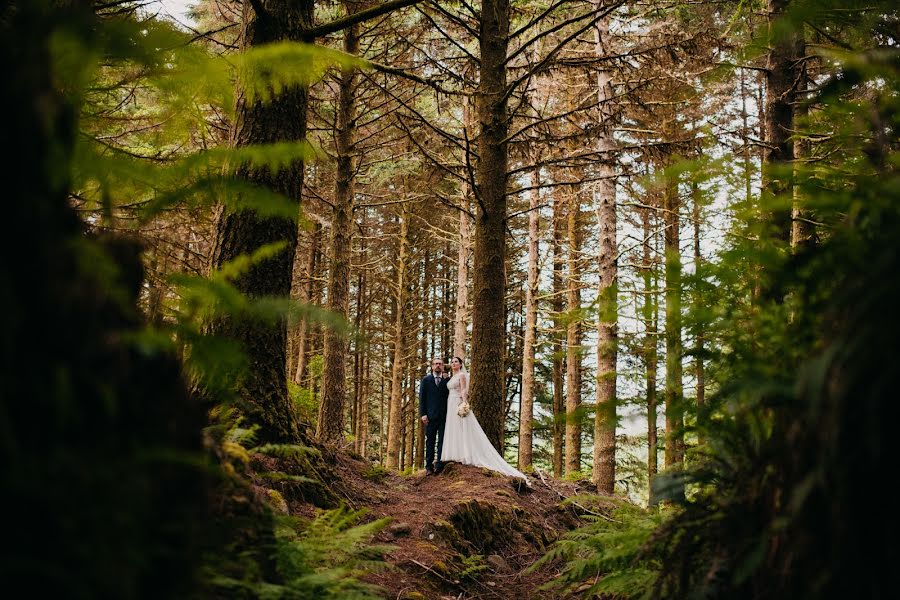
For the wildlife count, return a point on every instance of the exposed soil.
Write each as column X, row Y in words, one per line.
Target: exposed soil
column 466, row 533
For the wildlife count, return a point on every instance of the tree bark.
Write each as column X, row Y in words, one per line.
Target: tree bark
column 101, row 448
column 461, row 318
column 699, row 338
column 331, row 411
column 802, row 231
column 412, row 419
column 526, row 409
column 779, row 150
column 424, row 358
column 488, row 319
column 263, row 392
column 649, row 315
column 460, row 321
column 748, row 160
column 674, row 351
column 360, row 347
column 446, row 318
column 158, row 269
column 306, row 297
column 573, row 349
column 604, row 469
column 395, row 416
column 559, row 407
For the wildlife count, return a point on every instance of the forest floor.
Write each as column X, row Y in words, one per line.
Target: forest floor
column 466, row 533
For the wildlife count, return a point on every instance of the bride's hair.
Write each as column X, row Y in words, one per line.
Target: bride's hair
column 461, row 363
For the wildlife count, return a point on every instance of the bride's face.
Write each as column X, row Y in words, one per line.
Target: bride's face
column 455, row 365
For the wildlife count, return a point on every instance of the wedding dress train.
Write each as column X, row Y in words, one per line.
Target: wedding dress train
column 464, row 439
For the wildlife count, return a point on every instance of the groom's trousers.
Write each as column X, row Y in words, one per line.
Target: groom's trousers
column 434, row 429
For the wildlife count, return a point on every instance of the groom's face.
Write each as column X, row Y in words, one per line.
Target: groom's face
column 437, row 366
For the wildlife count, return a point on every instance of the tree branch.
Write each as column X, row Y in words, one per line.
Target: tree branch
column 596, row 16
column 432, row 83
column 453, row 18
column 363, row 15
column 537, row 19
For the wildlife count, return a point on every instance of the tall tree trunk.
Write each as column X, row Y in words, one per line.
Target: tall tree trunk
column 429, row 305
column 488, row 317
column 559, row 407
column 604, row 469
column 674, row 386
column 779, row 150
column 526, row 409
column 394, row 409
column 263, row 392
column 361, row 432
column 364, row 409
column 573, row 350
column 157, row 271
column 360, row 346
column 461, row 318
column 412, row 419
column 748, row 155
column 699, row 340
column 383, row 423
column 429, row 345
column 649, row 315
column 315, row 335
column 802, row 230
column 99, row 432
column 446, row 318
column 306, row 292
column 424, row 359
column 331, row 411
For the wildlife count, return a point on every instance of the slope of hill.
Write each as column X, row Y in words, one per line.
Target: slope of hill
column 466, row 533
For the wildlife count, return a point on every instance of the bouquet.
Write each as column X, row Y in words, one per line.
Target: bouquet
column 463, row 408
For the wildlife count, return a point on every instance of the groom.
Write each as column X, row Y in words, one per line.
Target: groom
column 433, row 393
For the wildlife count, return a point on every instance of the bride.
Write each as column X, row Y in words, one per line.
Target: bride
column 464, row 440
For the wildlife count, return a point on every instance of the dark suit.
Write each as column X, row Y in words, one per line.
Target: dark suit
column 433, row 396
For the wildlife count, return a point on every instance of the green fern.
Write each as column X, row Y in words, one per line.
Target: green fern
column 606, row 554
column 328, row 553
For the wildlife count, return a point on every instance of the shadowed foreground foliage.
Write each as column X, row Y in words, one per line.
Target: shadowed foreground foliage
column 110, row 489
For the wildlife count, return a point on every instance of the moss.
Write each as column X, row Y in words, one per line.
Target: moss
column 477, row 526
column 376, row 473
column 428, row 547
column 484, row 526
column 236, row 451
column 447, row 532
column 441, row 568
column 576, row 476
column 413, row 596
column 300, row 476
column 277, row 500
column 472, row 566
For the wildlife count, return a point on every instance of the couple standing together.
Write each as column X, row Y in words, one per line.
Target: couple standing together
column 444, row 410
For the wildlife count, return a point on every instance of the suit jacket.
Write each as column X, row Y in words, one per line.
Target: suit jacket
column 433, row 398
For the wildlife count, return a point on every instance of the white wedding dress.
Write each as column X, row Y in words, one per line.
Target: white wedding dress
column 464, row 440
